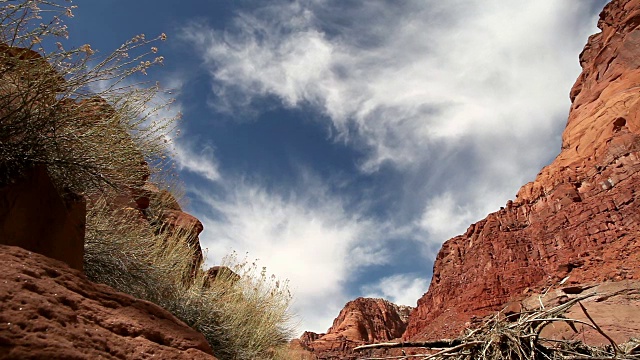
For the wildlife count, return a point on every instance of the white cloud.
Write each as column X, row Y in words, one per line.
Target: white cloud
column 400, row 289
column 306, row 238
column 486, row 65
column 464, row 98
column 203, row 162
column 443, row 218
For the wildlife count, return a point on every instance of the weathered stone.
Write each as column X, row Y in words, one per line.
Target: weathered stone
column 50, row 311
column 222, row 272
column 361, row 321
column 616, row 311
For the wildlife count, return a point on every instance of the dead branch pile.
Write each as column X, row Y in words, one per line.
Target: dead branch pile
column 509, row 339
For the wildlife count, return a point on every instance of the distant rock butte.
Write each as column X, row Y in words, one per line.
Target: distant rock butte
column 579, row 219
column 361, row 321
column 50, row 311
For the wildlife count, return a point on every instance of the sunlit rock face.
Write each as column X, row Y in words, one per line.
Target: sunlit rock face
column 361, row 321
column 50, row 311
column 578, row 222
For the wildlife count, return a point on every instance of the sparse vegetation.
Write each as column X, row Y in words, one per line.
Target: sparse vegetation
column 100, row 133
column 91, row 125
column 243, row 313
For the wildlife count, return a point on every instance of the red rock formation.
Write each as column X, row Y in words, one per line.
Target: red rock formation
column 49, row 311
column 35, row 217
column 580, row 217
column 361, row 321
column 175, row 220
column 219, row 272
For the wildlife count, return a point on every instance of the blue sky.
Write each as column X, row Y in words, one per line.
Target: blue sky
column 341, row 142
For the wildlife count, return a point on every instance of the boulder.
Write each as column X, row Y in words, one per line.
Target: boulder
column 50, row 311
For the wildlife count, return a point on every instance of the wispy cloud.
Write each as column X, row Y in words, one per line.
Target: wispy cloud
column 464, row 99
column 398, row 83
column 202, row 162
column 306, row 237
column 401, row 289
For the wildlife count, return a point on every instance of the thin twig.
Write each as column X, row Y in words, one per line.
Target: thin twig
column 613, row 343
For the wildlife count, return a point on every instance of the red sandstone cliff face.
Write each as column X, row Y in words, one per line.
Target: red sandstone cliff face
column 50, row 311
column 361, row 321
column 57, row 232
column 580, row 217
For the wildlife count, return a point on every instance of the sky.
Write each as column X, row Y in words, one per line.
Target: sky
column 341, row 142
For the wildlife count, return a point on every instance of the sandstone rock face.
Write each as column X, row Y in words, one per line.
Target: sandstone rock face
column 361, row 321
column 49, row 311
column 35, row 217
column 579, row 219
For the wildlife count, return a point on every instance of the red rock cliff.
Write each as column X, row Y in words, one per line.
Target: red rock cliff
column 579, row 218
column 361, row 321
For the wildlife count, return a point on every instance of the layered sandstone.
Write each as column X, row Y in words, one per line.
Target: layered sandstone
column 50, row 311
column 361, row 321
column 579, row 220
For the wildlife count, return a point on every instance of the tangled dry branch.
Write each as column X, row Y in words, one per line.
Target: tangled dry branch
column 505, row 339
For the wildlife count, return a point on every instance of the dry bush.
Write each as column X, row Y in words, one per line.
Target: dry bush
column 124, row 251
column 255, row 321
column 79, row 115
column 243, row 316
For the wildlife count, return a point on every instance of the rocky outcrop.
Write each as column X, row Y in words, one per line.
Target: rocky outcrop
column 161, row 206
column 578, row 221
column 34, row 216
column 361, row 321
column 50, row 311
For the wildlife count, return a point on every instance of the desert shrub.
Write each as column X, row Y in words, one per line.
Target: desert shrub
column 243, row 313
column 124, row 251
column 255, row 319
column 81, row 116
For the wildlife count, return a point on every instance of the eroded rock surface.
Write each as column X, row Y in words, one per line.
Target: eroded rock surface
column 579, row 219
column 50, row 311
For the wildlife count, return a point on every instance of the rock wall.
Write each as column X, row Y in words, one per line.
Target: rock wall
column 579, row 219
column 34, row 216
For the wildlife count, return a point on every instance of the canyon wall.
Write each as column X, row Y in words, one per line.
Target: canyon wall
column 50, row 311
column 578, row 221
